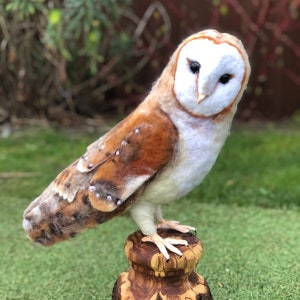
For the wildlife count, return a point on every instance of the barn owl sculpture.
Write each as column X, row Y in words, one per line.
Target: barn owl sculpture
column 157, row 154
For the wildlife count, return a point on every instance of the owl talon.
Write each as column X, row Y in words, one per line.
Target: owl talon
column 164, row 244
column 175, row 225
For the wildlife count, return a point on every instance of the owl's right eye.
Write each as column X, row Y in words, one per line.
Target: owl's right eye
column 194, row 67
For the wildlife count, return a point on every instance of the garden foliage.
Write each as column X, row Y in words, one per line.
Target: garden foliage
column 62, row 58
column 51, row 50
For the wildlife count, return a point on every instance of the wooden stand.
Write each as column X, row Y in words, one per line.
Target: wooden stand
column 152, row 277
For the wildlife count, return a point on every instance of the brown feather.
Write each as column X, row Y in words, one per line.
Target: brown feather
column 82, row 196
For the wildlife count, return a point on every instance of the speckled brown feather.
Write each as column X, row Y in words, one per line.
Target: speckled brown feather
column 65, row 219
column 119, row 163
column 107, row 179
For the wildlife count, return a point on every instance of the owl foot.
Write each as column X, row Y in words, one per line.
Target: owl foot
column 175, row 225
column 164, row 244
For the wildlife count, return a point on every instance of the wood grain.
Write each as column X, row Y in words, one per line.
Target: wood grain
column 152, row 277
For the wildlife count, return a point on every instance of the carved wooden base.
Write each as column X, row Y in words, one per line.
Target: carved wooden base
column 152, row 277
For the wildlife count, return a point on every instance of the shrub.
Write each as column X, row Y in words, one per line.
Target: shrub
column 82, row 56
column 59, row 56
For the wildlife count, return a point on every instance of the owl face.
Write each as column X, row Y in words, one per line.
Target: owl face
column 210, row 75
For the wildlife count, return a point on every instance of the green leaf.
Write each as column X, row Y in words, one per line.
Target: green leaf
column 66, row 53
column 55, row 16
column 223, row 9
column 12, row 6
column 94, row 37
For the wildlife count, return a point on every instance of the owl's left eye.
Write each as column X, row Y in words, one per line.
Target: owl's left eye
column 194, row 67
column 225, row 78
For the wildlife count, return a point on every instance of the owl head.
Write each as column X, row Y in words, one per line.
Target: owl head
column 209, row 71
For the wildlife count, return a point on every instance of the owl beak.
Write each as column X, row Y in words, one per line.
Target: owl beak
column 201, row 97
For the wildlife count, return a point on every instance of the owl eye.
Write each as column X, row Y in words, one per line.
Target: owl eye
column 225, row 78
column 194, row 67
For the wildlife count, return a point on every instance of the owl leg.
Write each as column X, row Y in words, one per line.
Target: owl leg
column 164, row 224
column 143, row 214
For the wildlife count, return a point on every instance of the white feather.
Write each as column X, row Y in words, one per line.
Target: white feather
column 215, row 60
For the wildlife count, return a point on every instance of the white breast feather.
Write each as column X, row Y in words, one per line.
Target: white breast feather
column 200, row 142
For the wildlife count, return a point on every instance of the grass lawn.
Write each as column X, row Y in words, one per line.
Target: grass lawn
column 246, row 213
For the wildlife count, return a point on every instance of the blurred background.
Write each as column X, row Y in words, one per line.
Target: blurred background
column 72, row 60
column 70, row 69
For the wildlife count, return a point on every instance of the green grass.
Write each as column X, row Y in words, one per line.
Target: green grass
column 246, row 213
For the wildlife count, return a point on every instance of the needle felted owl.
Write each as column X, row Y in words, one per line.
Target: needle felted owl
column 159, row 153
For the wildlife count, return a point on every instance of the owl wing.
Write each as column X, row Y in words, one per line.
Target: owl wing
column 118, row 165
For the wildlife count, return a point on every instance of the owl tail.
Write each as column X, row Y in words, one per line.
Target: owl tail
column 50, row 218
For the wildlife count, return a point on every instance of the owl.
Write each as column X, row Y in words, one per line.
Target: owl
column 157, row 154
